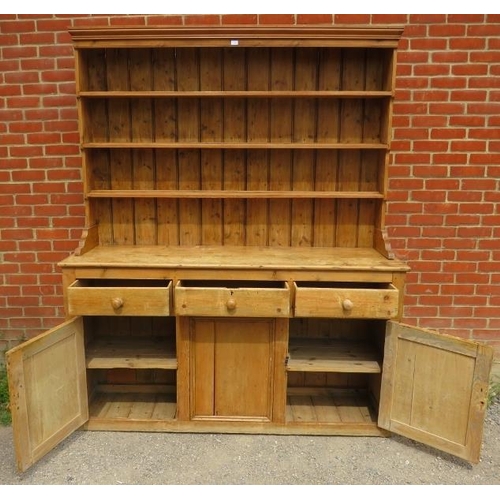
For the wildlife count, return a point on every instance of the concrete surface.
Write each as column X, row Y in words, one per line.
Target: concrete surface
column 119, row 458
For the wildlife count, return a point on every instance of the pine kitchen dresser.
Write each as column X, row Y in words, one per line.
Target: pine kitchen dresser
column 234, row 274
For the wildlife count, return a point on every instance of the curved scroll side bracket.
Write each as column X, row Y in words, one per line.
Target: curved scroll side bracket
column 88, row 240
column 382, row 244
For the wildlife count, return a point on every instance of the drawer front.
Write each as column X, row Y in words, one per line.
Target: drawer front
column 214, row 299
column 96, row 298
column 350, row 302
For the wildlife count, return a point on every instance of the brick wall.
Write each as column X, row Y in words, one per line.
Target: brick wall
column 443, row 212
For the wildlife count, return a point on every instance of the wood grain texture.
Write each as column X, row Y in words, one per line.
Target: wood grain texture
column 48, row 390
column 434, row 389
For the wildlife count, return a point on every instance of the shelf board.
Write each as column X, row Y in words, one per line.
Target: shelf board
column 221, row 258
column 235, row 145
column 309, row 94
column 124, row 352
column 324, row 355
column 231, row 194
column 333, row 406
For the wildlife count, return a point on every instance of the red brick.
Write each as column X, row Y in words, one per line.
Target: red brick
column 450, row 56
column 19, row 52
column 474, row 255
column 430, row 171
column 36, row 38
column 166, row 20
column 314, row 18
column 468, row 95
column 447, row 133
column 352, row 18
column 461, row 219
column 428, row 44
column 389, row 18
column 486, row 83
column 475, row 43
column 431, row 95
column 18, row 26
column 276, row 18
column 467, row 121
column 461, row 195
column 449, row 82
column 439, row 232
column 127, row 21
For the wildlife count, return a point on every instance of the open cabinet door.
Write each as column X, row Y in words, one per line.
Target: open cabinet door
column 434, row 389
column 48, row 390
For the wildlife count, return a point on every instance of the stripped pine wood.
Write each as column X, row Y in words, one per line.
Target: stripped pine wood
column 188, row 130
column 141, row 116
column 48, row 391
column 120, row 159
column 243, row 382
column 236, row 271
column 130, row 353
column 322, row 356
column 96, row 164
column 234, row 78
column 304, row 130
column 202, row 366
column 280, row 132
column 165, row 125
column 234, row 194
column 333, row 406
column 443, row 397
column 258, row 66
column 297, row 93
column 326, row 175
column 212, row 126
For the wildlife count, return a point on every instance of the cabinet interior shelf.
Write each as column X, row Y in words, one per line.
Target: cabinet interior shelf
column 318, row 355
column 236, row 145
column 339, row 94
column 233, row 194
column 124, row 352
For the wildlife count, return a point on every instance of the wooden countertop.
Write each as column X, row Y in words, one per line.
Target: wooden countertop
column 230, row 257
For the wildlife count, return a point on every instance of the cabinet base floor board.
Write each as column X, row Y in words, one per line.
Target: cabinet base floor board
column 174, row 426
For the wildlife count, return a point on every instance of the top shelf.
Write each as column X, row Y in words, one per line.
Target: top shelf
column 309, row 94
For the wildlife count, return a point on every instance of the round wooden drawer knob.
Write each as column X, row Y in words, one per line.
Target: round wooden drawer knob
column 231, row 305
column 117, row 303
column 347, row 305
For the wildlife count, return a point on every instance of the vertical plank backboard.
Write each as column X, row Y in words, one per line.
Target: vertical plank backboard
column 141, row 112
column 96, row 164
column 351, row 131
column 327, row 160
column 120, row 159
column 165, row 125
column 212, row 124
column 434, row 389
column 280, row 160
column 188, row 130
column 304, row 131
column 48, row 390
column 257, row 160
column 234, row 78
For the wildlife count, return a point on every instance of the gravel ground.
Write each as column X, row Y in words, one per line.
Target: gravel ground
column 114, row 458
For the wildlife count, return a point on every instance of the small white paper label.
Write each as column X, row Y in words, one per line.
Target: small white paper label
column 234, row 42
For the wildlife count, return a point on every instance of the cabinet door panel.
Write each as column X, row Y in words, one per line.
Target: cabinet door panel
column 48, row 390
column 243, row 369
column 232, row 369
column 434, row 389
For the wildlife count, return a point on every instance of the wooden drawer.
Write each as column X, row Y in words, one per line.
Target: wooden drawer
column 232, row 298
column 119, row 297
column 352, row 300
